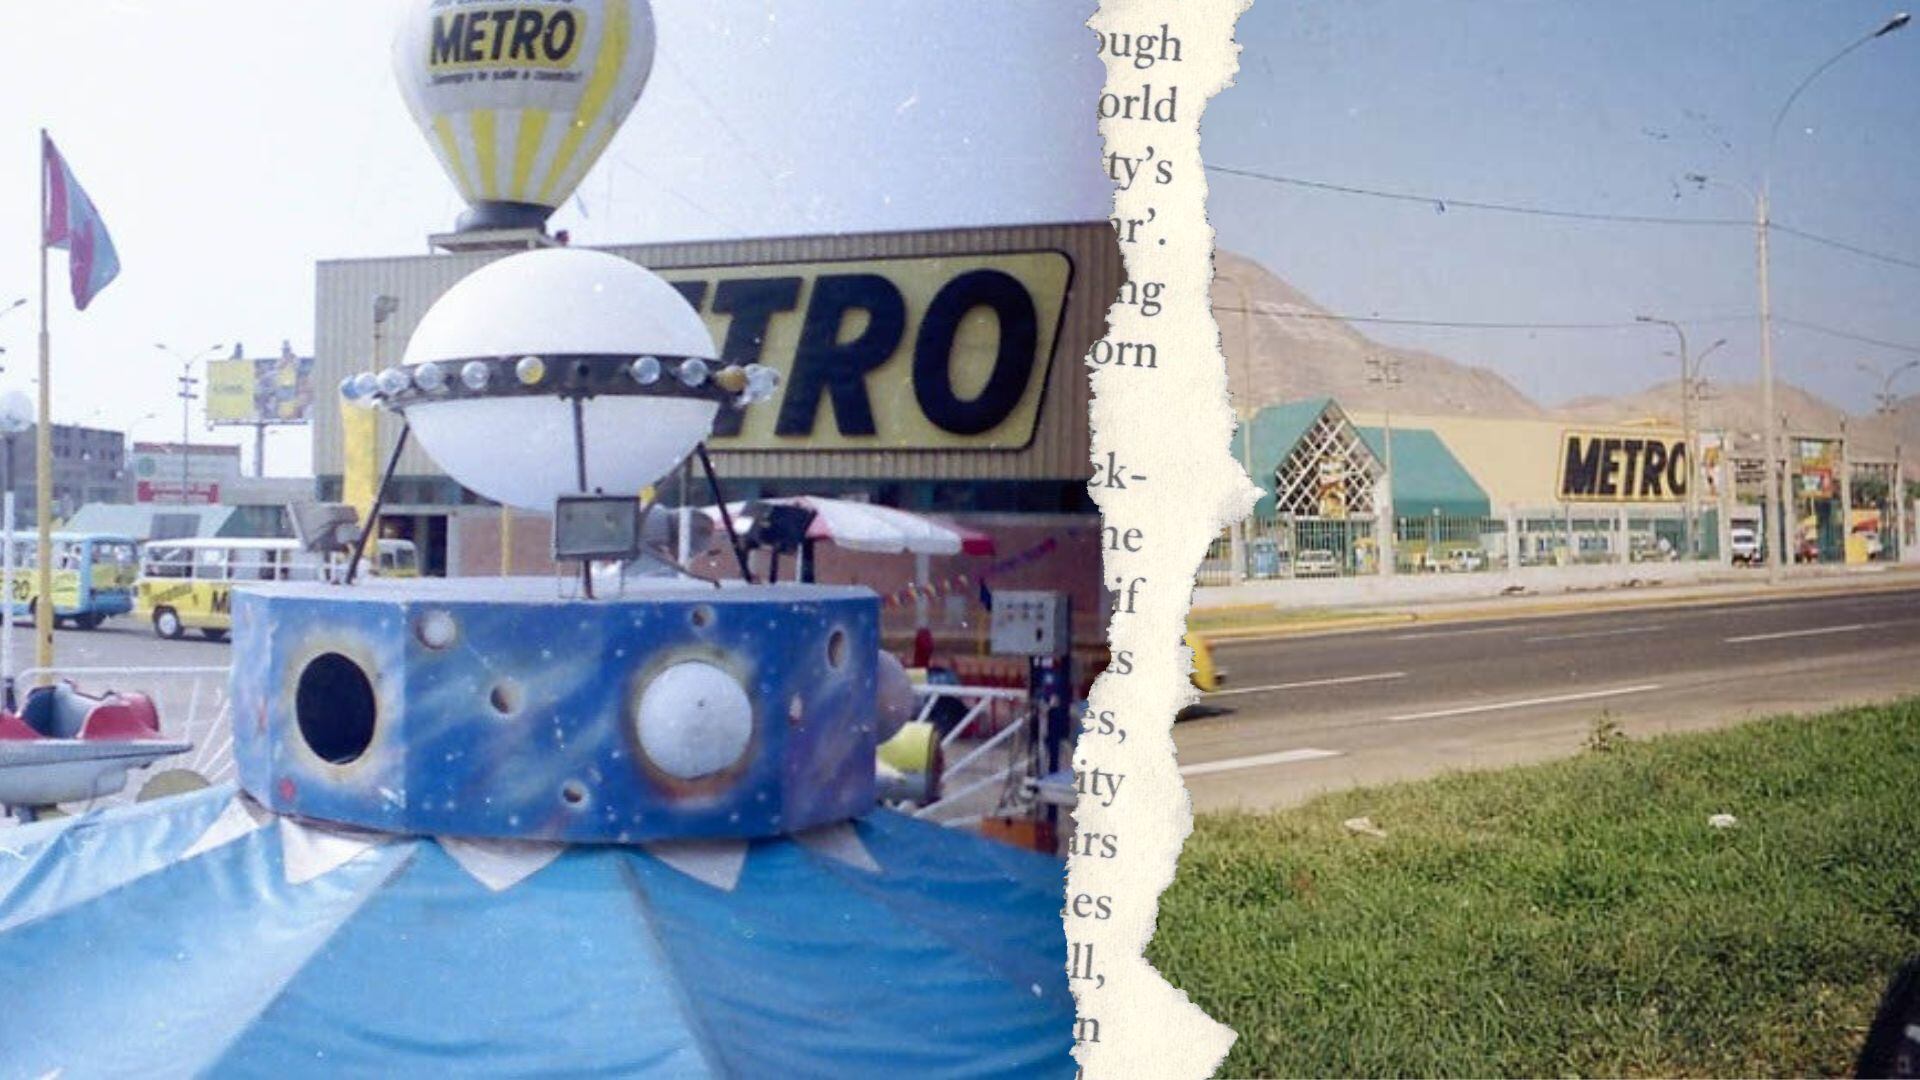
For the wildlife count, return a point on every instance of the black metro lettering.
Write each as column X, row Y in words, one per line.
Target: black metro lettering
column 1609, row 467
column 824, row 365
column 499, row 35
column 1012, row 362
column 526, row 33
column 1581, row 476
column 750, row 305
column 1679, row 470
column 693, row 292
column 448, row 32
column 561, row 30
column 1653, row 468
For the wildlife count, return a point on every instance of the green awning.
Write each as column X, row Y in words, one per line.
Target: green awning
column 1427, row 478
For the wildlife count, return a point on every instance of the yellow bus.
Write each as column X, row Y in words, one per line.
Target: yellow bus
column 188, row 584
column 397, row 558
column 93, row 576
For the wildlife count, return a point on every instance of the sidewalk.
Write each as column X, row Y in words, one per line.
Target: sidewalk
column 1506, row 597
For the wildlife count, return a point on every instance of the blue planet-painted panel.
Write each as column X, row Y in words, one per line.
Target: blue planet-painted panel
column 502, row 709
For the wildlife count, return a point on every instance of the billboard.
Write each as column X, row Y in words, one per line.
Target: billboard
column 1620, row 467
column 915, row 353
column 272, row 391
column 1816, row 468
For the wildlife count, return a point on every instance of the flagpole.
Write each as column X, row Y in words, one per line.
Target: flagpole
column 43, row 458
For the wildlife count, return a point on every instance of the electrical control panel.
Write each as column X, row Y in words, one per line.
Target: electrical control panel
column 1030, row 622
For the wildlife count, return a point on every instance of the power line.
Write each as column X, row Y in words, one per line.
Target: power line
column 1459, row 324
column 1382, row 320
column 1443, row 203
column 1854, row 249
column 1897, row 346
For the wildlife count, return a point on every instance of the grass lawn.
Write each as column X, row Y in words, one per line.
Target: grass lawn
column 1579, row 917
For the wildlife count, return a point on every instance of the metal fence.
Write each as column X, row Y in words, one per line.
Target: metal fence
column 1298, row 547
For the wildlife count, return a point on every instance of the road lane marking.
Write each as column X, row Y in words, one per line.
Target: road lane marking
column 1284, row 757
column 1468, row 632
column 1598, row 633
column 1343, row 680
column 1847, row 629
column 1558, row 699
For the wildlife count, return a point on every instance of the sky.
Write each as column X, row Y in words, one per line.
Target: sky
column 1591, row 107
column 230, row 144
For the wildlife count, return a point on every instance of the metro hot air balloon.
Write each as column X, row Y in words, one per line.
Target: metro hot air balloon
column 518, row 100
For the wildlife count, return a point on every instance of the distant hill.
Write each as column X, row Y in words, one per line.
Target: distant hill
column 1300, row 351
column 1736, row 407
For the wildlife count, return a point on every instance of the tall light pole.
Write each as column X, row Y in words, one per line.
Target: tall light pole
column 16, row 416
column 1887, row 404
column 1775, row 527
column 187, row 396
column 1383, row 370
column 1243, row 405
column 1689, row 371
column 1762, row 226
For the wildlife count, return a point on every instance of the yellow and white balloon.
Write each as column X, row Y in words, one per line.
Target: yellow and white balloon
column 518, row 100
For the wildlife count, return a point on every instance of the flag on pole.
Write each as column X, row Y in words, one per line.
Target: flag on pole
column 72, row 223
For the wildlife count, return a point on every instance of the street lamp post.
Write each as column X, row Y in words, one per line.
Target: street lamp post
column 1383, row 370
column 16, row 416
column 1243, row 406
column 1762, row 224
column 187, row 396
column 1689, row 372
column 1887, row 404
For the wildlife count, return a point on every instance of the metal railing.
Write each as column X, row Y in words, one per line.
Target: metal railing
column 1300, row 548
column 993, row 734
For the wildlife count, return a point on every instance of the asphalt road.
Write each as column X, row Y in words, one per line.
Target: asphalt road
column 1301, row 716
column 121, row 642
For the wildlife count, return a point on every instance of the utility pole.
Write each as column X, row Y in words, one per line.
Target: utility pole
column 1776, row 527
column 187, row 397
column 1887, row 404
column 1383, row 370
column 1243, row 409
column 1689, row 376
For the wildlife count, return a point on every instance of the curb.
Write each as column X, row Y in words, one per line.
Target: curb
column 1581, row 605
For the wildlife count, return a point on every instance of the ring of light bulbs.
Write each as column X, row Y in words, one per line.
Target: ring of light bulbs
column 400, row 387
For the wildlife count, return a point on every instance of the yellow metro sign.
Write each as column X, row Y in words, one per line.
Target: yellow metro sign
column 913, row 353
column 1624, row 467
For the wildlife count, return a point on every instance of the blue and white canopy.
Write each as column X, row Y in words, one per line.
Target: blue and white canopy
column 202, row 935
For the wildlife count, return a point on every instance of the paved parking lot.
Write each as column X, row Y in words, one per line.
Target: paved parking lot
column 122, row 641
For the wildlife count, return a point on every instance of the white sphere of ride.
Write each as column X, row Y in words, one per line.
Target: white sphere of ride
column 893, row 696
column 519, row 449
column 694, row 720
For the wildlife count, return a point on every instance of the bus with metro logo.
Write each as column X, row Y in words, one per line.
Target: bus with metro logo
column 188, row 584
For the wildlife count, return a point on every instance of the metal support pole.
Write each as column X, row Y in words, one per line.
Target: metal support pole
column 379, row 497
column 726, row 517
column 580, row 474
column 6, row 605
column 1846, row 493
column 1727, row 475
column 43, row 456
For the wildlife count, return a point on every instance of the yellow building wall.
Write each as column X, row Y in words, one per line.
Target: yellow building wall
column 1516, row 462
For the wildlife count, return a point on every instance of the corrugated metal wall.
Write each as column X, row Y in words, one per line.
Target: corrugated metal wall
column 344, row 343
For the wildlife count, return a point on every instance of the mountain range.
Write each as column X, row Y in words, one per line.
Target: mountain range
column 1282, row 346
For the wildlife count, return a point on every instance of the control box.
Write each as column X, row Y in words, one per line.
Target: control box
column 1030, row 622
